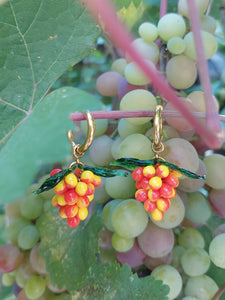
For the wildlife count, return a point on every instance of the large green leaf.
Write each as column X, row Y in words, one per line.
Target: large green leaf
column 126, row 3
column 69, row 252
column 115, row 282
column 41, row 139
column 40, row 39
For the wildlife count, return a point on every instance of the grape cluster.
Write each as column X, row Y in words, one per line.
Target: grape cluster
column 74, row 193
column 156, row 188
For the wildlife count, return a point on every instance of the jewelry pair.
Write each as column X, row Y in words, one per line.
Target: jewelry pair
column 156, row 179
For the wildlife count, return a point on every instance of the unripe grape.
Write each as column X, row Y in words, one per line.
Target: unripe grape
column 209, row 42
column 141, row 100
column 107, row 83
column 181, row 72
column 148, row 31
column 215, row 166
column 101, row 126
column 119, row 65
column 28, row 237
column 149, row 51
column 32, row 207
column 100, row 150
column 122, row 244
column 171, row 25
column 153, row 262
column 108, row 211
column 35, row 287
column 201, row 6
column 216, row 250
column 191, row 237
column 198, row 99
column 135, row 75
column 15, row 227
column 208, row 24
column 126, row 128
column 176, row 45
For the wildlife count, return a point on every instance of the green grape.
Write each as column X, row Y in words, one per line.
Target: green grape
column 120, row 187
column 169, row 276
column 122, row 244
column 100, row 150
column 180, row 152
column 107, row 83
column 15, row 227
column 181, row 72
column 12, row 210
column 8, row 278
column 173, row 216
column 215, row 165
column 37, row 261
column 138, row 99
column 135, row 75
column 115, row 147
column 209, row 43
column 216, row 250
column 119, row 65
column 129, row 218
column 126, row 128
column 202, row 287
column 198, row 99
column 176, row 257
column 149, row 51
column 195, row 261
column 148, row 31
column 191, row 237
column 176, row 45
column 100, row 192
column 35, row 287
column 28, row 237
column 208, row 24
column 201, row 6
column 171, row 25
column 108, row 211
column 101, row 126
column 136, row 146
column 20, row 279
column 189, row 298
column 197, row 209
column 32, row 207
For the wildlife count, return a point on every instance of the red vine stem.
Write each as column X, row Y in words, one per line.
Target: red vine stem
column 163, row 8
column 212, row 120
column 118, row 114
column 104, row 13
column 219, row 292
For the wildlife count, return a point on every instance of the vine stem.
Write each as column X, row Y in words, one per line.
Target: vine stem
column 212, row 121
column 163, row 8
column 105, row 14
column 119, row 114
column 219, row 292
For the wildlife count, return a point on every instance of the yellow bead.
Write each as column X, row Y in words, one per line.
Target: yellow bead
column 70, row 180
column 162, row 171
column 87, row 176
column 60, row 188
column 61, row 200
column 157, row 215
column 91, row 197
column 81, row 188
column 149, row 171
column 155, row 183
column 62, row 212
column 55, row 201
column 82, row 213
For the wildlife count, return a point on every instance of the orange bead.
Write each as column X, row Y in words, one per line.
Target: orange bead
column 153, row 195
column 70, row 181
column 149, row 172
column 157, row 215
column 62, row 212
column 73, row 222
column 90, row 189
column 71, row 210
column 83, row 202
column 163, row 204
column 162, row 171
column 55, row 201
column 97, row 180
column 149, row 205
column 78, row 172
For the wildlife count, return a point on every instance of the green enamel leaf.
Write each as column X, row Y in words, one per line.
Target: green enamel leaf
column 69, row 252
column 40, row 39
column 105, row 172
column 115, row 282
column 133, row 163
column 41, row 140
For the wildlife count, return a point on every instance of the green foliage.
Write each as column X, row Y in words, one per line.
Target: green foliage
column 69, row 252
column 41, row 140
column 113, row 282
column 40, row 39
column 126, row 3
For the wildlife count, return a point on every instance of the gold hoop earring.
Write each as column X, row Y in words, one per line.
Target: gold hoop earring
column 157, row 145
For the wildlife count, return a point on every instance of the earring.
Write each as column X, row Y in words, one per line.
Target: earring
column 156, row 179
column 75, row 186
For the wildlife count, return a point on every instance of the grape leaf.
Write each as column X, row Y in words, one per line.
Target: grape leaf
column 69, row 252
column 115, row 282
column 40, row 140
column 40, row 39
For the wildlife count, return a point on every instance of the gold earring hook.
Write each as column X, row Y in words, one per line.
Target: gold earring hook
column 157, row 145
column 78, row 150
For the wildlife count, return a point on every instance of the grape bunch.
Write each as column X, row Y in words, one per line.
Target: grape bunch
column 74, row 193
column 156, row 188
